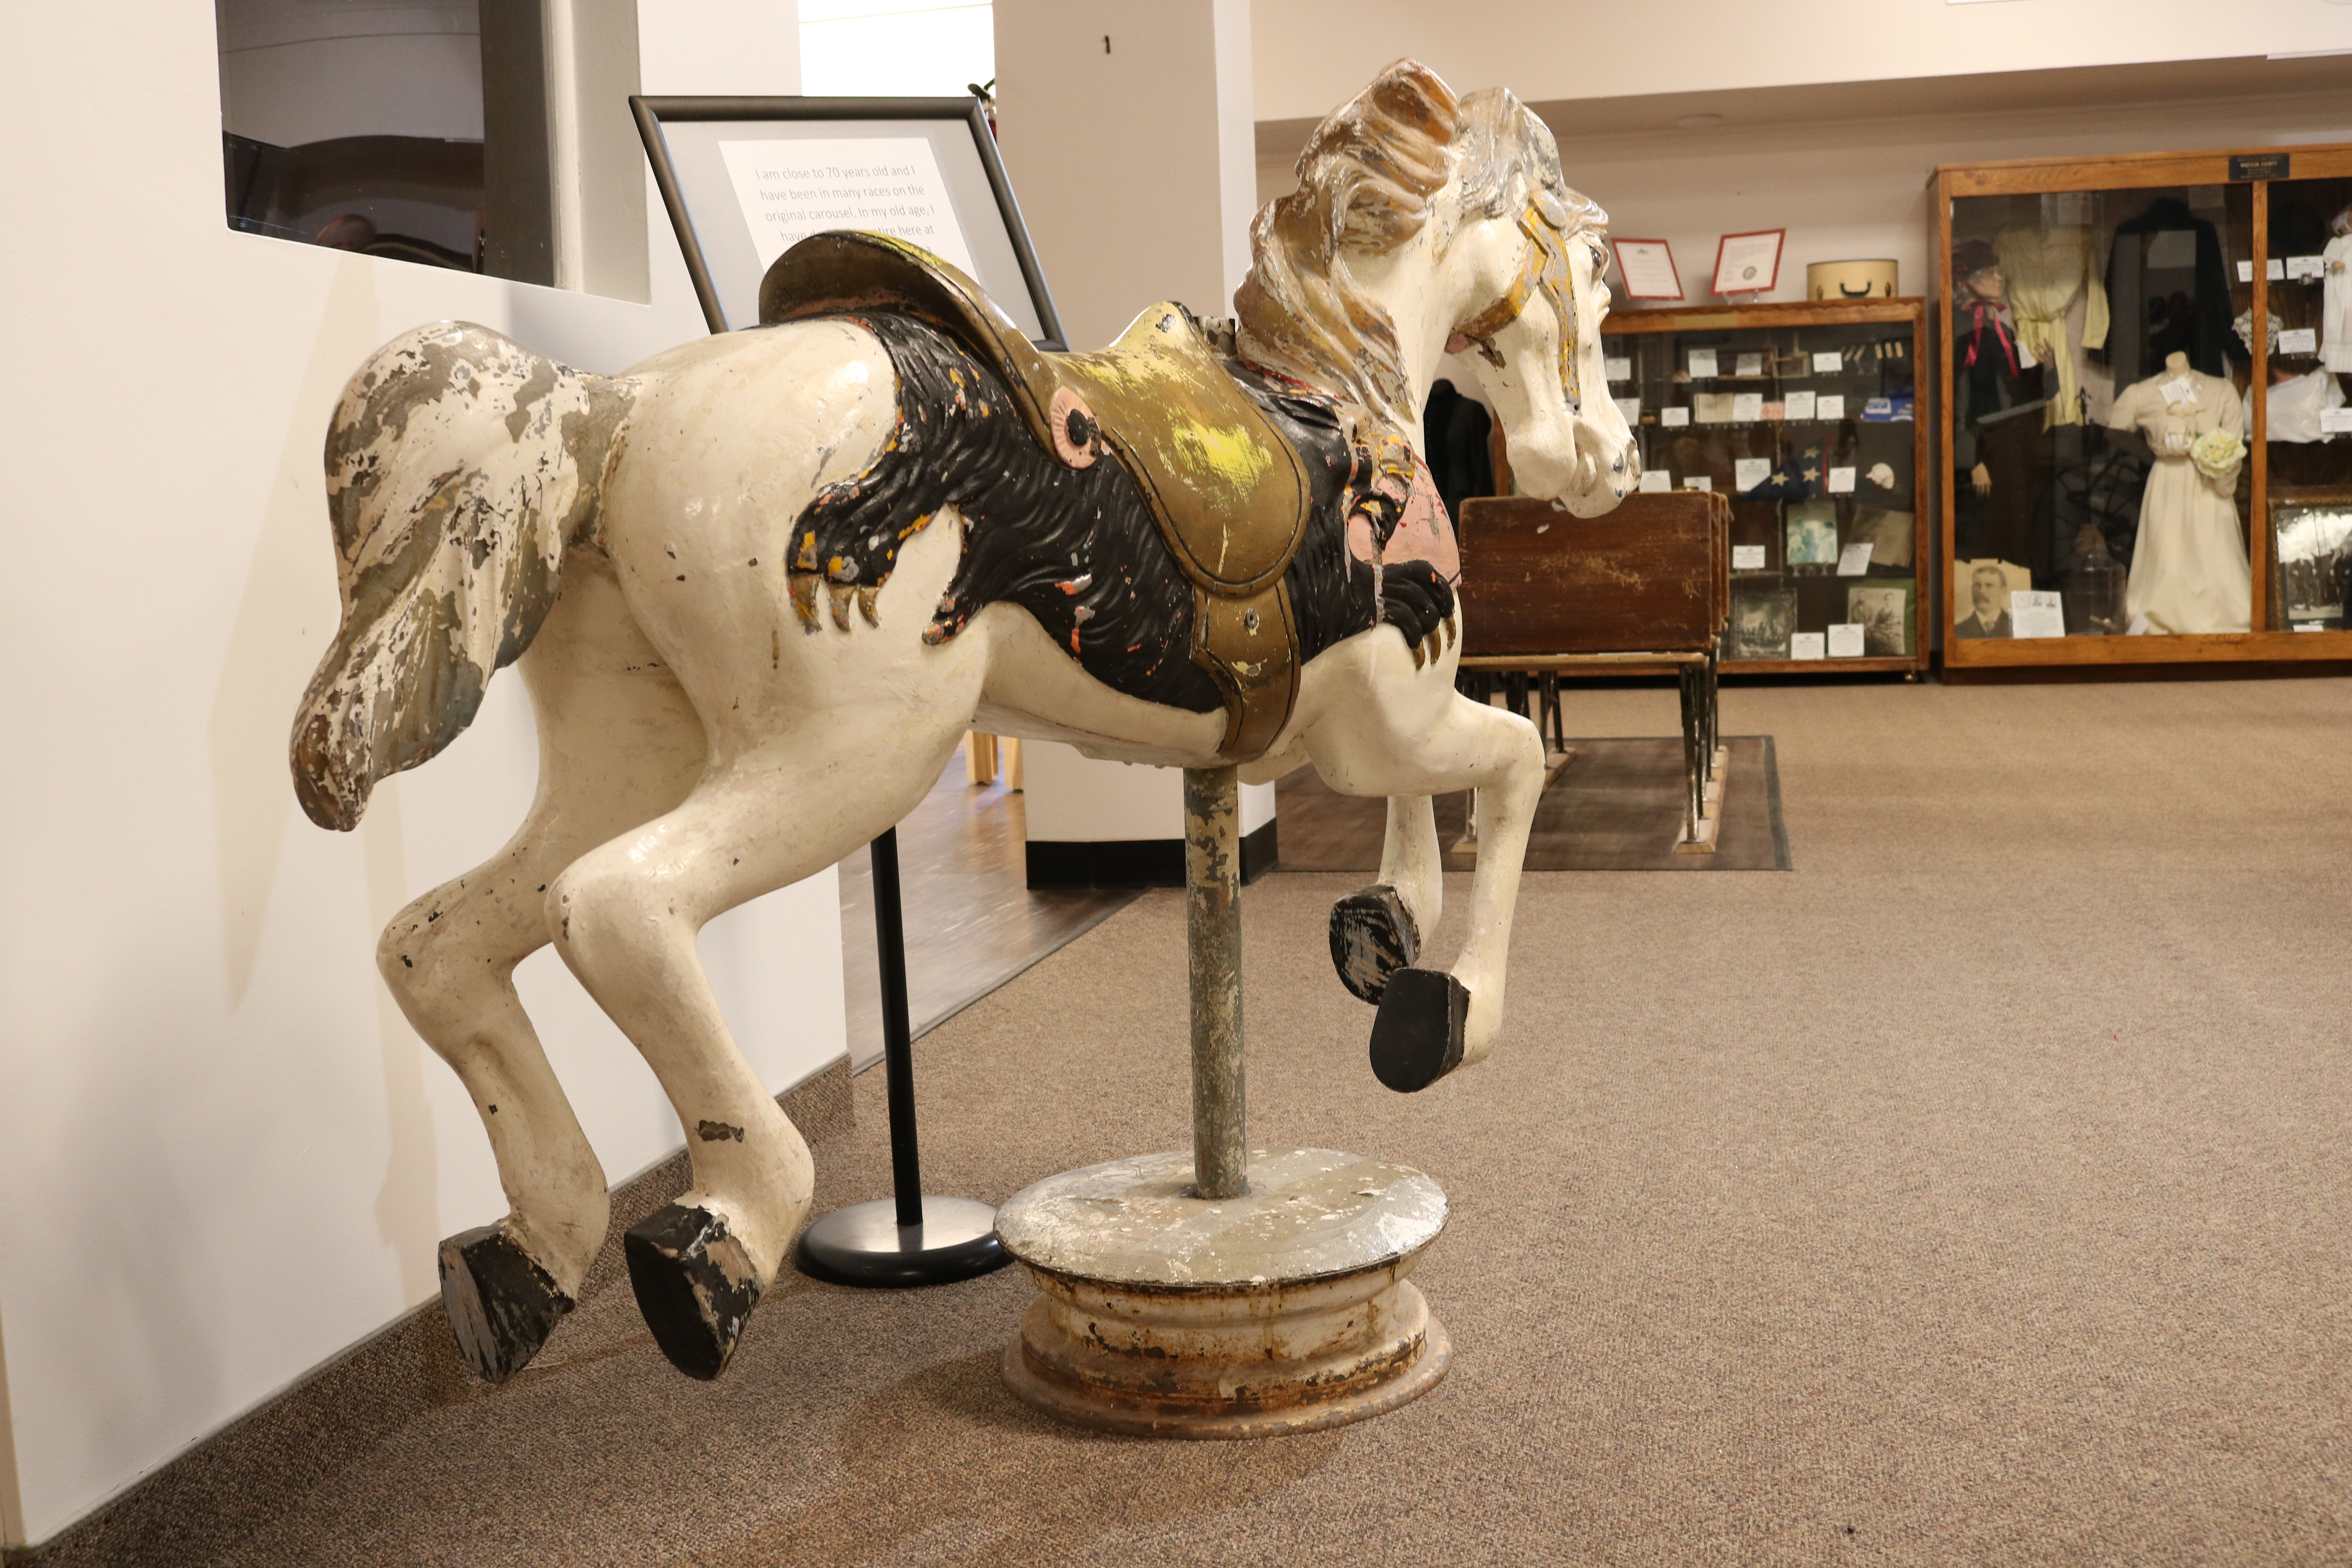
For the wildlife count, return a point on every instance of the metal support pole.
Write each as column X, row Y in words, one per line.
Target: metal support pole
column 909, row 1240
column 897, row 1031
column 1212, row 931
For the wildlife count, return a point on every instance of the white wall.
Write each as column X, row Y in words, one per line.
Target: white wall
column 1315, row 54
column 1071, row 799
column 223, row 1155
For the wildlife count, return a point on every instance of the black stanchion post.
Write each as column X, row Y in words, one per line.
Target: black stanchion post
column 911, row 1239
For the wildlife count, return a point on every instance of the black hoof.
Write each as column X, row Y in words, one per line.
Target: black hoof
column 1373, row 936
column 501, row 1304
column 1417, row 1035
column 695, row 1286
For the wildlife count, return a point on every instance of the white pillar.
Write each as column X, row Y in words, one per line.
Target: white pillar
column 1127, row 128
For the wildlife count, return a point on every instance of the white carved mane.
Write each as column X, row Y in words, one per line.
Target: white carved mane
column 1369, row 179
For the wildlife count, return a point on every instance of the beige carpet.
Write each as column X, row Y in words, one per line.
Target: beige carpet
column 1976, row 1194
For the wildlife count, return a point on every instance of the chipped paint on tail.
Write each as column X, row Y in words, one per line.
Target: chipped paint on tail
column 460, row 467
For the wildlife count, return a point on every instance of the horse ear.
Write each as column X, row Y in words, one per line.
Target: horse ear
column 1418, row 97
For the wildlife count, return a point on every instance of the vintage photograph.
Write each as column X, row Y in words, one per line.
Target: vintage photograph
column 2314, row 559
column 1762, row 621
column 1981, row 591
column 1884, row 612
column 1812, row 534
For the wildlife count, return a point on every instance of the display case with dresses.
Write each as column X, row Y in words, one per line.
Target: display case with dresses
column 2131, row 470
column 1807, row 417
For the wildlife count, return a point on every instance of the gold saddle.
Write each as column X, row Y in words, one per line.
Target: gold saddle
column 1228, row 489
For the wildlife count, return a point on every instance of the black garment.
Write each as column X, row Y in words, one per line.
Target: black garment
column 1969, row 626
column 2153, row 317
column 1996, row 421
column 1453, row 430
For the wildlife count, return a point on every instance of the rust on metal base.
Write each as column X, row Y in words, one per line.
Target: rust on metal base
column 1285, row 1309
column 1402, row 1374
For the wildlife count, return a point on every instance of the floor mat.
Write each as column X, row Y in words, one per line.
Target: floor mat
column 1615, row 806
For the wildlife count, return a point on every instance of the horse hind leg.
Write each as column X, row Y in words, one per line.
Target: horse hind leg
column 626, row 917
column 617, row 747
column 1377, row 931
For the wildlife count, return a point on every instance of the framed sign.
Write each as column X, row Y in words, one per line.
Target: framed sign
column 1748, row 263
column 1646, row 266
column 746, row 178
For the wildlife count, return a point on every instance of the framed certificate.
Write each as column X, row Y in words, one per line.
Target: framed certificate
column 1646, row 266
column 1748, row 263
column 746, row 178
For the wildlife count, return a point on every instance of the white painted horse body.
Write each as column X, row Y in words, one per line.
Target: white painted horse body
column 700, row 745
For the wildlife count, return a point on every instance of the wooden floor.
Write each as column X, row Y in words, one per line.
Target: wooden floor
column 971, row 921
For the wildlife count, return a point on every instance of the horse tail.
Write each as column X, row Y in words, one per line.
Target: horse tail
column 460, row 466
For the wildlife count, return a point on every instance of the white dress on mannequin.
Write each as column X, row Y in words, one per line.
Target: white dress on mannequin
column 2190, row 571
column 2336, row 304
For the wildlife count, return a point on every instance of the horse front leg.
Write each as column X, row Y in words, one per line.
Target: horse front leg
column 1377, row 931
column 1431, row 1021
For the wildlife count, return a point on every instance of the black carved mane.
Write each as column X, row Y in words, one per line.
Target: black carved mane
column 1077, row 548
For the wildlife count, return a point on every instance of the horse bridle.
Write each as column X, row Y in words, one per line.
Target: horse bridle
column 1545, row 268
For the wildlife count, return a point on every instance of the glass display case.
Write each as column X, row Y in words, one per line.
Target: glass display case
column 1807, row 417
column 2142, row 445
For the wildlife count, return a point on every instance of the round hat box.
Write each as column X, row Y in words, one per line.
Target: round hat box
column 1850, row 280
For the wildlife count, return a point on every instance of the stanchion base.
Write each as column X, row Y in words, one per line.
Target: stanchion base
column 1286, row 1309
column 865, row 1245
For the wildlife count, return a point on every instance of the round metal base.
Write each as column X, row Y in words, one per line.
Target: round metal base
column 1286, row 1309
column 865, row 1245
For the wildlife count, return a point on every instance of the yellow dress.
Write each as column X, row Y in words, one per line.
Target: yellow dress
column 2046, row 270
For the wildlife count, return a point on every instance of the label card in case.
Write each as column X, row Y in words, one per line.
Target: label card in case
column 1800, row 404
column 1748, row 558
column 1617, row 369
column 1701, row 364
column 2179, row 390
column 1845, row 640
column 2299, row 340
column 2035, row 613
column 1853, row 561
column 1806, row 644
column 1841, row 481
column 1746, row 407
column 2274, row 270
column 2245, row 272
column 1828, row 364
column 1746, row 473
column 2304, row 267
column 1656, row 481
column 1631, row 407
column 2336, row 422
column 1698, row 482
column 1749, row 364
column 1674, row 418
column 1830, row 405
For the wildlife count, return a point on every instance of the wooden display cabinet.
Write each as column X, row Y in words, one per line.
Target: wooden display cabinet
column 1807, row 420
column 2148, row 227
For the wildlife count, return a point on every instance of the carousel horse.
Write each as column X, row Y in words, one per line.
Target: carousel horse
column 761, row 585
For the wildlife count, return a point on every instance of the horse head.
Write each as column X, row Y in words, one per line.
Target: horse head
column 1426, row 224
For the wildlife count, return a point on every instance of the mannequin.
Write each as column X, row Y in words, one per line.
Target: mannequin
column 2336, row 307
column 2190, row 571
column 1997, row 386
